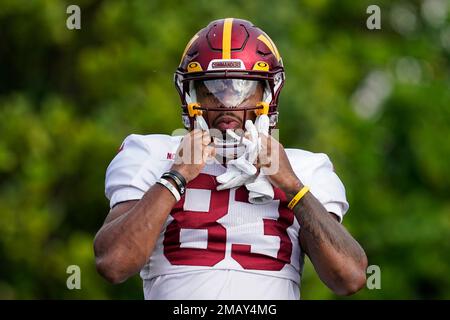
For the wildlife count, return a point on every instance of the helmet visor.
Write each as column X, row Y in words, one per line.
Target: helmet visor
column 227, row 93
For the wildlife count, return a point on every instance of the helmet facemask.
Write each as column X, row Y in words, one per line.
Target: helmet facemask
column 226, row 104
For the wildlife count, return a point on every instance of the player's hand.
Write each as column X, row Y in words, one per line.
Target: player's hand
column 195, row 149
column 274, row 163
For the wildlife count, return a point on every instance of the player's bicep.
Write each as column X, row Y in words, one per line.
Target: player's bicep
column 119, row 209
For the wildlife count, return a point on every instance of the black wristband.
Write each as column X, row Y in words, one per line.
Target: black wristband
column 179, row 182
column 179, row 176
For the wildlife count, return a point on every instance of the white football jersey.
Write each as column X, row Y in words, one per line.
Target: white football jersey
column 216, row 241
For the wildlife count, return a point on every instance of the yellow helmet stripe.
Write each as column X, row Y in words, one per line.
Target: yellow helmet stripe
column 277, row 54
column 226, row 38
column 195, row 37
column 270, row 45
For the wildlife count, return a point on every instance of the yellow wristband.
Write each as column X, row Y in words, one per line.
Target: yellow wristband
column 297, row 197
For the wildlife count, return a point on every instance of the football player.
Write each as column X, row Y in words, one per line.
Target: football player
column 199, row 221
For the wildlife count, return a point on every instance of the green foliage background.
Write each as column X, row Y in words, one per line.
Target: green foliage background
column 377, row 102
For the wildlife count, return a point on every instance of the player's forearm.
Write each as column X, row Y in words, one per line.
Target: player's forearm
column 124, row 245
column 337, row 257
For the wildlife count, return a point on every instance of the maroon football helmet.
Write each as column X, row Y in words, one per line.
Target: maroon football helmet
column 230, row 49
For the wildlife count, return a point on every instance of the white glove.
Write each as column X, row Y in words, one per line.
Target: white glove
column 260, row 190
column 246, row 162
column 240, row 170
column 262, row 124
column 232, row 178
column 200, row 123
